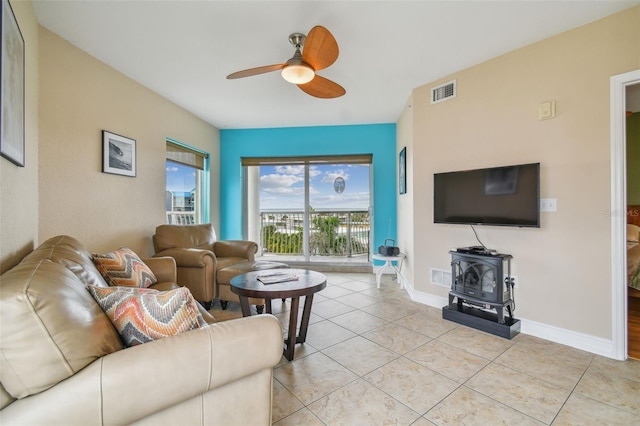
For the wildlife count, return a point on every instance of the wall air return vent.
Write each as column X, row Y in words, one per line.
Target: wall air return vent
column 444, row 92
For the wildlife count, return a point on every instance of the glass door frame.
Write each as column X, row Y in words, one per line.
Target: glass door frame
column 251, row 198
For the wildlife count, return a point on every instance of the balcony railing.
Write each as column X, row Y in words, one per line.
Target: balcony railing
column 331, row 233
column 181, row 218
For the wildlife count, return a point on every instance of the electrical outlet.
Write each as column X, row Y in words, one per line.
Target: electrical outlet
column 436, row 277
column 440, row 277
column 514, row 280
column 548, row 205
column 446, row 279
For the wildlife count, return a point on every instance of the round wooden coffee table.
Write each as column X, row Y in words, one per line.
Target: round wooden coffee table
column 308, row 282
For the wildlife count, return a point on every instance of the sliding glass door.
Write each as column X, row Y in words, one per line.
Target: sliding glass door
column 310, row 208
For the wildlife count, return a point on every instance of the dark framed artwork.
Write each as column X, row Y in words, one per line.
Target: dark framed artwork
column 12, row 76
column 402, row 169
column 118, row 154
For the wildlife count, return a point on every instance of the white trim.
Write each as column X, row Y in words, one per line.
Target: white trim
column 426, row 298
column 585, row 342
column 618, row 213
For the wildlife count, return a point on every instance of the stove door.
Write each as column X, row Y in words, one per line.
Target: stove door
column 476, row 279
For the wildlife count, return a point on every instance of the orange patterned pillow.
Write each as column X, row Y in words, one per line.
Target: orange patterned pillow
column 142, row 315
column 124, row 268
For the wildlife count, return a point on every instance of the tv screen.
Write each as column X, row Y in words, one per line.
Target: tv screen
column 505, row 196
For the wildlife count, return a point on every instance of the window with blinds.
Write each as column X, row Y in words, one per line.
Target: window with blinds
column 186, row 195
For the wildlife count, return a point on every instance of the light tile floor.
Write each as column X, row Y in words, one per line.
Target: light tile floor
column 375, row 357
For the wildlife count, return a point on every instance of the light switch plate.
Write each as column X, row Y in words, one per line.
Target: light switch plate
column 546, row 110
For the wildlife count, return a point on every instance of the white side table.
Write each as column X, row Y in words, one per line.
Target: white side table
column 393, row 262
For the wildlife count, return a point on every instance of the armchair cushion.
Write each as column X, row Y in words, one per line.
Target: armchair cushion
column 124, row 268
column 236, row 248
column 190, row 257
column 142, row 315
column 192, row 236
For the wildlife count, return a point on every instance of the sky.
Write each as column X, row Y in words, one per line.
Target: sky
column 282, row 187
column 180, row 178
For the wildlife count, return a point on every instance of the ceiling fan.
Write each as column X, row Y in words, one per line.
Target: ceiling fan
column 320, row 51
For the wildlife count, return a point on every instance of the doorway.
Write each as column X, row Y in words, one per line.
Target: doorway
column 633, row 218
column 623, row 90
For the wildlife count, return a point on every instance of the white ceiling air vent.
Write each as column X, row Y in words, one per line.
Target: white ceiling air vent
column 443, row 92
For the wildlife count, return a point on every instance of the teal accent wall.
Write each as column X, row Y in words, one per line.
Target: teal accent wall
column 376, row 139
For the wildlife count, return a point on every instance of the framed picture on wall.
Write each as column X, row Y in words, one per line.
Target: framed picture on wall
column 118, row 154
column 12, row 76
column 402, row 168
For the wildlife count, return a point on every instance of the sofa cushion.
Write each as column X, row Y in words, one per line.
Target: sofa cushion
column 142, row 315
column 70, row 253
column 124, row 268
column 51, row 326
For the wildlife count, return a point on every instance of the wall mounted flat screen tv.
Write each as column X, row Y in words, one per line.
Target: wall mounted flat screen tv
column 503, row 196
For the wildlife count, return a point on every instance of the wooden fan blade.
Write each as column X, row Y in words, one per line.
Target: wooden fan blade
column 256, row 71
column 320, row 48
column 321, row 87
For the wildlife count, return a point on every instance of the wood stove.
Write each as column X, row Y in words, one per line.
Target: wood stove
column 481, row 282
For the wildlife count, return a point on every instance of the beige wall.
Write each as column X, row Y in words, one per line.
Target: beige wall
column 404, row 139
column 79, row 97
column 564, row 267
column 19, row 185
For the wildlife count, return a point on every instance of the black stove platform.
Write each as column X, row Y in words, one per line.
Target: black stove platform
column 481, row 320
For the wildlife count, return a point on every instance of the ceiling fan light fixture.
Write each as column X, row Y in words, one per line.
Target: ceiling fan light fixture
column 298, row 74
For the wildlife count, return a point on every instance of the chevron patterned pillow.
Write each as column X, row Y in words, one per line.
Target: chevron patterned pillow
column 124, row 268
column 142, row 315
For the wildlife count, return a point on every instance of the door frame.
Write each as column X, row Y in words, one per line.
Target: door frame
column 618, row 212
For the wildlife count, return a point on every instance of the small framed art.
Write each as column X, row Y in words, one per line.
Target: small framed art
column 402, row 169
column 118, row 154
column 12, row 121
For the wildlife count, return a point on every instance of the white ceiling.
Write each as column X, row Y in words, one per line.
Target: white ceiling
column 183, row 50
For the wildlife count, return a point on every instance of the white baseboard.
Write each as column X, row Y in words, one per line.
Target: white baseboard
column 585, row 342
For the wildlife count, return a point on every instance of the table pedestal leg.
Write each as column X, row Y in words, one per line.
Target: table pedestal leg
column 292, row 339
column 399, row 276
column 380, row 271
column 244, row 305
column 379, row 275
column 306, row 313
column 290, row 343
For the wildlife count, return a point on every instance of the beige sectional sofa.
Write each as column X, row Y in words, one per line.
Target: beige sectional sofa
column 62, row 361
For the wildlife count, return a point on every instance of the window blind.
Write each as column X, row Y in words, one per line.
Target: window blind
column 185, row 156
column 320, row 159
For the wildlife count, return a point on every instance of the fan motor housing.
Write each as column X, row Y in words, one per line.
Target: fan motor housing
column 297, row 39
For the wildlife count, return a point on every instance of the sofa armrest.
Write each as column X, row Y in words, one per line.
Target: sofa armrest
column 164, row 268
column 189, row 257
column 236, row 248
column 131, row 384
